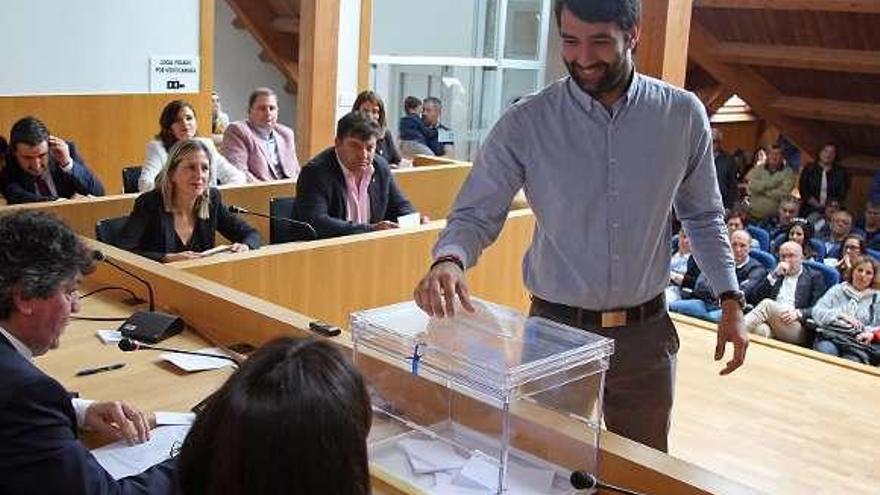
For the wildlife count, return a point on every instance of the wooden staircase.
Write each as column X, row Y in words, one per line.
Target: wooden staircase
column 274, row 24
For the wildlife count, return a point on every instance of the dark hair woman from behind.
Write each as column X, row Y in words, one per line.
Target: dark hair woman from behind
column 293, row 419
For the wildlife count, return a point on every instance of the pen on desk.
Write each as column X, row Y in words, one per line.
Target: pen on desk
column 92, row 371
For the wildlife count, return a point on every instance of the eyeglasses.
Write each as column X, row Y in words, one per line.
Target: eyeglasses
column 852, row 248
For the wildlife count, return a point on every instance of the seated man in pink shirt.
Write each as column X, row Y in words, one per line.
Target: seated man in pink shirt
column 348, row 188
column 260, row 146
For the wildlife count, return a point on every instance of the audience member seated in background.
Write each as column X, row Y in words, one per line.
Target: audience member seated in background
column 42, row 167
column 822, row 220
column 736, row 219
column 371, row 104
column 848, row 314
column 777, row 224
column 219, row 118
column 260, row 146
column 703, row 303
column 870, row 224
column 725, row 170
column 770, row 184
column 822, row 180
column 178, row 122
column 179, row 219
column 413, row 133
column 853, row 248
column 348, row 189
column 784, row 297
column 678, row 267
column 841, row 226
column 432, row 109
column 293, row 419
column 801, row 232
column 41, row 264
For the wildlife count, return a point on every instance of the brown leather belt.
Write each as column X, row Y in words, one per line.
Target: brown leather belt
column 583, row 317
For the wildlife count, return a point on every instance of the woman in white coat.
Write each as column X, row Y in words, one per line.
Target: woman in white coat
column 178, row 122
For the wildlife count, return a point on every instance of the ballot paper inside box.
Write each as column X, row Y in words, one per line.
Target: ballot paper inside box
column 482, row 403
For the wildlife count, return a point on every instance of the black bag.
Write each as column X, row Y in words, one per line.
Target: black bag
column 844, row 337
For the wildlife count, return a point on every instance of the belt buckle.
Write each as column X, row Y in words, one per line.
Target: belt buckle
column 613, row 319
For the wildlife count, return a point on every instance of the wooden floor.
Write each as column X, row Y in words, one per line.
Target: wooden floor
column 784, row 423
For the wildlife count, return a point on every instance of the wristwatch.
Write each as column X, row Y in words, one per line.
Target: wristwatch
column 737, row 295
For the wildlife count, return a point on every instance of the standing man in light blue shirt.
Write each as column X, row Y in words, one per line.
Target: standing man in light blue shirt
column 603, row 155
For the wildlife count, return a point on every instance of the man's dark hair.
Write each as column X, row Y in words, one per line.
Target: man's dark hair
column 38, row 253
column 433, row 100
column 167, row 119
column 293, row 419
column 359, row 125
column 28, row 130
column 410, row 103
column 624, row 13
column 257, row 93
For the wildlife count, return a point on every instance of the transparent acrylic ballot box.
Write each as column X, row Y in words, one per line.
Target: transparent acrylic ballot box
column 483, row 403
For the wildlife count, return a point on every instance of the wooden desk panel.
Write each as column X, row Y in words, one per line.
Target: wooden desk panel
column 229, row 316
column 332, row 278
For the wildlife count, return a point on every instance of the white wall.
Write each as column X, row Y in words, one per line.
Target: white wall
column 347, row 60
column 425, row 27
column 238, row 69
column 52, row 46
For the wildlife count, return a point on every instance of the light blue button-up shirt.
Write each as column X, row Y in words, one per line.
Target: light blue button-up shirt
column 601, row 186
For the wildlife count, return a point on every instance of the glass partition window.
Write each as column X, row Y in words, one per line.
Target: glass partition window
column 476, row 56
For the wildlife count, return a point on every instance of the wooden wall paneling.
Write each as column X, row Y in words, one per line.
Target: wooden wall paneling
column 662, row 50
column 111, row 131
column 366, row 35
column 316, row 96
column 432, row 189
column 331, row 278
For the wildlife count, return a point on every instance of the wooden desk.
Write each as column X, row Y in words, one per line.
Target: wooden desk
column 150, row 385
column 786, row 412
column 431, row 189
column 230, row 316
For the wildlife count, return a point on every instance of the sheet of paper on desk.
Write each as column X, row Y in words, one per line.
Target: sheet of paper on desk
column 191, row 363
column 410, row 220
column 121, row 459
column 174, row 418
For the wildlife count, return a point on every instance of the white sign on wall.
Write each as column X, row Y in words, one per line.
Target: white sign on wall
column 173, row 74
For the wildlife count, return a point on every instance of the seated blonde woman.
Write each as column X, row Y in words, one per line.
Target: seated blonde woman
column 178, row 122
column 849, row 314
column 179, row 219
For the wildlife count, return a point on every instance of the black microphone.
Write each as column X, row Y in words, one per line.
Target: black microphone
column 308, row 226
column 151, row 325
column 100, row 256
column 128, row 345
column 582, row 480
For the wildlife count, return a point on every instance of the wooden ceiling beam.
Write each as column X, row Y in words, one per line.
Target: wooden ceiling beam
column 751, row 87
column 800, row 57
column 854, row 6
column 844, row 112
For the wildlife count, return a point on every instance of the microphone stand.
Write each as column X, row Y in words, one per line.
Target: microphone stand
column 129, row 345
column 308, row 226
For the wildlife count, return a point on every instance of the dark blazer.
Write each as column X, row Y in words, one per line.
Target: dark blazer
column 725, row 171
column 150, row 229
column 748, row 276
column 39, row 448
column 386, row 148
column 19, row 186
column 810, row 287
column 321, row 196
column 810, row 184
